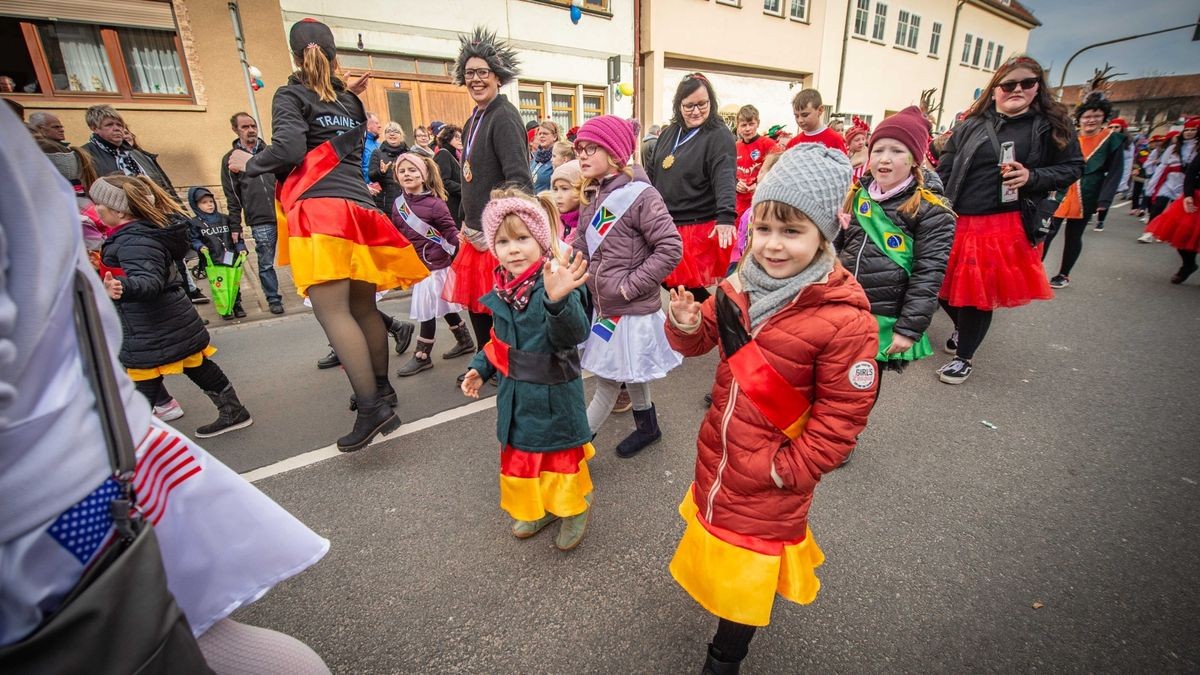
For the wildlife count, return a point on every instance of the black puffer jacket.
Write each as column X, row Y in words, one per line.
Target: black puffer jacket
column 159, row 323
column 387, row 180
column 890, row 290
column 451, row 172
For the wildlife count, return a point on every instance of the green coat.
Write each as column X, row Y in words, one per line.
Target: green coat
column 1101, row 175
column 539, row 417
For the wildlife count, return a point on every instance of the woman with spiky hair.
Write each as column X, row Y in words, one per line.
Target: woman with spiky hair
column 494, row 154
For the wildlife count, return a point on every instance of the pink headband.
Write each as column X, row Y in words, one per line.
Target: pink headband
column 417, row 161
column 529, row 212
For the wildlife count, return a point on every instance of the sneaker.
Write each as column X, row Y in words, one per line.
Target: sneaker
column 623, row 403
column 276, row 308
column 170, row 411
column 952, row 344
column 1098, row 228
column 1146, row 238
column 331, row 360
column 198, row 298
column 1060, row 281
column 955, row 372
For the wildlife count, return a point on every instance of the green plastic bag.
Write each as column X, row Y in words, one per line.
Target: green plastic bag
column 224, row 280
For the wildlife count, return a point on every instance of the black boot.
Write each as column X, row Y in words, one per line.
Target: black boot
column 231, row 414
column 420, row 359
column 647, row 432
column 330, row 360
column 464, row 344
column 383, row 389
column 402, row 332
column 374, row 418
column 715, row 666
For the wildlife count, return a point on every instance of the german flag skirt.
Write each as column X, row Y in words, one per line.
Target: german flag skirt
column 736, row 576
column 535, row 483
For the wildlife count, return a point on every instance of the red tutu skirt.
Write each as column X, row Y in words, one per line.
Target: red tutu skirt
column 992, row 264
column 704, row 262
column 470, row 278
column 1177, row 227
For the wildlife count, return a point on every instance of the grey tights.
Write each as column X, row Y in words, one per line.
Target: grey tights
column 606, row 395
column 346, row 311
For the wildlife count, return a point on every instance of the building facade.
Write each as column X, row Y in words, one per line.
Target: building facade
column 1152, row 105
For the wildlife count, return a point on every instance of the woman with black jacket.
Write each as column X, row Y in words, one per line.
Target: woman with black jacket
column 993, row 263
column 383, row 160
column 449, row 145
column 162, row 333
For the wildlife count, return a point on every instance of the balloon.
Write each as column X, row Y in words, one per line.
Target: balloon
column 625, row 88
column 576, row 14
column 255, row 73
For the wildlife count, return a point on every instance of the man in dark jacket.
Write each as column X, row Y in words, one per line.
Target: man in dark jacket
column 649, row 143
column 253, row 199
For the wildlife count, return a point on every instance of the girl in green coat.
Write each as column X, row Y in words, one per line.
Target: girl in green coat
column 539, row 319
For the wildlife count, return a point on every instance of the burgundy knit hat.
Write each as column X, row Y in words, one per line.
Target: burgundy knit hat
column 616, row 135
column 909, row 127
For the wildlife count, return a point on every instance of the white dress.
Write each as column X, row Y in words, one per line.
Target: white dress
column 427, row 302
column 633, row 350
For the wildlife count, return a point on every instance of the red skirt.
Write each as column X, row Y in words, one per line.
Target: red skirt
column 1177, row 227
column 992, row 264
column 470, row 278
column 704, row 262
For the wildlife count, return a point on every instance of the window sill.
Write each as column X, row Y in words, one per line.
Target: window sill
column 932, row 56
column 777, row 15
column 856, row 36
column 604, row 14
column 804, row 21
column 905, row 49
column 881, row 43
column 37, row 102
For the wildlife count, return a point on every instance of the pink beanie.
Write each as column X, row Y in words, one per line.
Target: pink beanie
column 530, row 212
column 617, row 136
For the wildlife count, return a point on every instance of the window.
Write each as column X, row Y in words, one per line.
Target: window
column 861, row 15
column 880, row 21
column 563, row 103
column 935, row 38
column 907, row 27
column 773, row 7
column 798, row 10
column 999, row 55
column 902, row 28
column 563, row 112
column 593, row 106
column 987, row 60
column 531, row 104
column 595, row 5
column 978, row 51
column 62, row 60
column 966, row 55
column 914, row 27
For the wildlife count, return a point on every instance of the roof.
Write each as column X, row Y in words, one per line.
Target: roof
column 1142, row 88
column 1013, row 8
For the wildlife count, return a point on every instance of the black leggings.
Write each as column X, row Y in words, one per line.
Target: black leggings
column 1188, row 257
column 481, row 325
column 732, row 641
column 429, row 327
column 1072, row 244
column 1157, row 206
column 208, row 376
column 1135, row 197
column 972, row 325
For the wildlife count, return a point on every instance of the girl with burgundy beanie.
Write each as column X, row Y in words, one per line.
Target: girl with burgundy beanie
column 632, row 244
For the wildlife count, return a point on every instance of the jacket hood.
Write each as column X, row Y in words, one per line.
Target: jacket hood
column 174, row 236
column 194, row 196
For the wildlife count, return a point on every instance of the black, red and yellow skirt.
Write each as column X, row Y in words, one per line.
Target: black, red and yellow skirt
column 330, row 239
column 470, row 278
column 1177, row 227
column 704, row 262
column 736, row 576
column 533, row 484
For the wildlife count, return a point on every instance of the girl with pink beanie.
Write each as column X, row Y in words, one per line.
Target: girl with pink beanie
column 628, row 236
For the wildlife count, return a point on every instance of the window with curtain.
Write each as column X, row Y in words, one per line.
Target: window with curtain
column 531, row 105
column 77, row 59
column 563, row 110
column 862, row 15
column 593, row 105
column 880, row 21
column 152, row 61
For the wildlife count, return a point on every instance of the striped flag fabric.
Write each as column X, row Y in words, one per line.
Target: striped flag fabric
column 605, row 327
column 165, row 465
column 603, row 221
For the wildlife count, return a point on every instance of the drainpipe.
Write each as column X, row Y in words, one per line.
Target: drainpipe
column 637, row 68
column 845, row 45
column 240, row 40
column 950, row 59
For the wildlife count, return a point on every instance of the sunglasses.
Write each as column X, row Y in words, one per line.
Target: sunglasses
column 1026, row 85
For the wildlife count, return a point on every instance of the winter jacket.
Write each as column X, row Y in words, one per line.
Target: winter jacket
column 541, row 170
column 433, row 211
column 700, row 185
column 750, row 477
column 451, row 172
column 250, row 198
column 371, row 143
column 640, row 250
column 649, row 144
column 300, row 122
column 969, row 166
column 387, row 180
column 105, row 163
column 158, row 322
column 211, row 229
column 890, row 290
column 499, row 157
column 538, row 417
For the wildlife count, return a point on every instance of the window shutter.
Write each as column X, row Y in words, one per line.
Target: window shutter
column 156, row 14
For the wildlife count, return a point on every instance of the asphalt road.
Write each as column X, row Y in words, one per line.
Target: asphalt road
column 1063, row 540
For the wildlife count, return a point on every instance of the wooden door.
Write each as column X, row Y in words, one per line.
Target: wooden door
column 448, row 103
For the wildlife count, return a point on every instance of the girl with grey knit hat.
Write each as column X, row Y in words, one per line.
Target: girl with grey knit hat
column 793, row 388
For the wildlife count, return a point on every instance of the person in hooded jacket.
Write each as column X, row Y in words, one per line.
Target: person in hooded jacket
column 163, row 333
column 381, row 166
column 212, row 232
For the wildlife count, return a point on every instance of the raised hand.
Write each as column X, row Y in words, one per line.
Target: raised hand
column 357, row 85
column 562, row 279
column 684, row 307
column 471, row 383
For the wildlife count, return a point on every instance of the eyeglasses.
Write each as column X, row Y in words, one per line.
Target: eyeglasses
column 693, row 107
column 586, row 151
column 477, row 73
column 1026, row 85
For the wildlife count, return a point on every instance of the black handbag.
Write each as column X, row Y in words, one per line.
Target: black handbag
column 1035, row 213
column 120, row 617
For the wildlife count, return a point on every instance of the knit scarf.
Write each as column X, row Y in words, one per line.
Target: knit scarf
column 125, row 161
column 768, row 294
column 542, row 155
column 516, row 290
column 570, row 220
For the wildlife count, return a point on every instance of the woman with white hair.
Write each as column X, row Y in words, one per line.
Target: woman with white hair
column 381, row 163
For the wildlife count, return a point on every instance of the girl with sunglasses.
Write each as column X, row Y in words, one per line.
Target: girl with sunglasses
column 993, row 263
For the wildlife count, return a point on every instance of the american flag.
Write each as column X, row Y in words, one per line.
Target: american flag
column 83, row 528
column 164, row 465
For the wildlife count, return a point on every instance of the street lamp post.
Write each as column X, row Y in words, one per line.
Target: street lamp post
column 1063, row 78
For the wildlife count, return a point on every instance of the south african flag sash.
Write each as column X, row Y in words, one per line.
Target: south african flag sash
column 610, row 211
column 604, row 327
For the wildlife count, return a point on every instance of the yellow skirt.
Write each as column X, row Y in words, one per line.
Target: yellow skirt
column 173, row 368
column 736, row 576
column 534, row 483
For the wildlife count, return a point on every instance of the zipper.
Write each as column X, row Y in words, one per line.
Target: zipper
column 858, row 259
column 716, row 486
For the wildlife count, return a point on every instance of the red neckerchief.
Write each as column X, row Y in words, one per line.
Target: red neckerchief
column 516, row 291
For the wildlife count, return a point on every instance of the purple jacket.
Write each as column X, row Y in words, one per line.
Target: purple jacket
column 434, row 211
column 642, row 248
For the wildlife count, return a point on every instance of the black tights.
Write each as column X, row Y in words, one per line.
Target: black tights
column 972, row 325
column 732, row 641
column 208, row 376
column 1072, row 244
column 481, row 325
column 429, row 327
column 1157, row 206
column 347, row 313
column 1188, row 257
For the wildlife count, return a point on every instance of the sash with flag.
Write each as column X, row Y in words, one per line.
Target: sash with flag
column 418, row 225
column 604, row 327
column 610, row 211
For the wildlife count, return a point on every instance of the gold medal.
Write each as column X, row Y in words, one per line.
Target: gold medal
column 668, row 161
column 467, row 171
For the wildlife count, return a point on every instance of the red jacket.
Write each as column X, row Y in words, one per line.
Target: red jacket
column 750, row 158
column 750, row 477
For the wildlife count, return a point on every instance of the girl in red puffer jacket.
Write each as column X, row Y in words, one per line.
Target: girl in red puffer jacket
column 793, row 388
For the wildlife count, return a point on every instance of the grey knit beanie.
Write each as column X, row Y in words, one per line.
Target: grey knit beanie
column 813, row 179
column 109, row 194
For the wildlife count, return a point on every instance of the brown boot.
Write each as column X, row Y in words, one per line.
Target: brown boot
column 420, row 359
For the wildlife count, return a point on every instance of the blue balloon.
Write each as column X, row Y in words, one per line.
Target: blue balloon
column 576, row 14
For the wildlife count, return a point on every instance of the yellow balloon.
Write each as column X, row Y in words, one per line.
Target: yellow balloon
column 625, row 88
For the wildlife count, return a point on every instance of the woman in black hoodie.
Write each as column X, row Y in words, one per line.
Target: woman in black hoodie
column 163, row 334
column 381, row 163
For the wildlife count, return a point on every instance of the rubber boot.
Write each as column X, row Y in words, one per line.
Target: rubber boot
column 402, row 332
column 715, row 666
column 647, row 432
column 420, row 359
column 231, row 414
column 374, row 417
column 572, row 528
column 463, row 345
column 383, row 389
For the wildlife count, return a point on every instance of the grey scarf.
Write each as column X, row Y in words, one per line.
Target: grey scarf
column 768, row 294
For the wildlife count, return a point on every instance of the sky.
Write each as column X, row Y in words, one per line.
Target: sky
column 1069, row 25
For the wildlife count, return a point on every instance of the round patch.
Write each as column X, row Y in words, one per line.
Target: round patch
column 755, row 154
column 862, row 375
column 893, row 241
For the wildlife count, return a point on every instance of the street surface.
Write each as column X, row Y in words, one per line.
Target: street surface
column 1064, row 539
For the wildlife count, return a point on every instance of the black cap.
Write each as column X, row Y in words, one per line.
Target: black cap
column 312, row 32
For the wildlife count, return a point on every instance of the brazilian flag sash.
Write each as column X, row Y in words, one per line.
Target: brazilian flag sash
column 898, row 247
